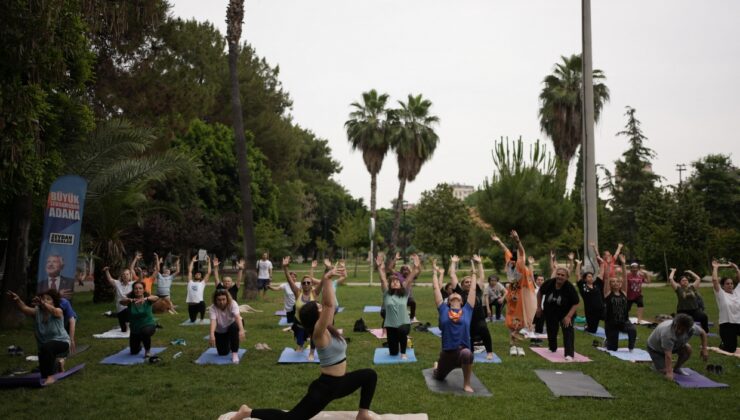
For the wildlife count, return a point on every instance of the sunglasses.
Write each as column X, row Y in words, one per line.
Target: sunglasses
column 306, row 282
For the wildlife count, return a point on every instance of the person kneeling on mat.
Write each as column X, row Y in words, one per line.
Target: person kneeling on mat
column 334, row 382
column 51, row 336
column 454, row 322
column 672, row 337
column 143, row 325
column 226, row 325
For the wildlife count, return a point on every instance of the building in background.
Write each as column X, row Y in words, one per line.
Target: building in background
column 461, row 192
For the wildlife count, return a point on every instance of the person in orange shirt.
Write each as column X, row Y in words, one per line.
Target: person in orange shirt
column 521, row 300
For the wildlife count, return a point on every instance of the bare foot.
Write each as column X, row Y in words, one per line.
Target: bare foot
column 61, row 364
column 243, row 413
column 310, row 357
column 468, row 388
column 489, row 356
column 364, row 414
column 49, row 380
column 404, row 357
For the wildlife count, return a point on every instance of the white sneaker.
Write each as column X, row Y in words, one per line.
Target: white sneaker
column 513, row 351
column 519, row 351
column 681, row 371
column 568, row 359
column 414, row 321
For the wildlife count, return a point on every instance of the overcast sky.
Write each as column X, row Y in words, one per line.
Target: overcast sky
column 482, row 62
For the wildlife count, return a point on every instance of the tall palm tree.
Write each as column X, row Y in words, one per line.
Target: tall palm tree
column 234, row 19
column 414, row 141
column 367, row 131
column 561, row 105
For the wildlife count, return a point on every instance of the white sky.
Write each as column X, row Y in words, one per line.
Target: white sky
column 481, row 63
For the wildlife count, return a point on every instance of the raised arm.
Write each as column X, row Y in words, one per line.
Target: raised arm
column 208, row 269
column 481, row 272
column 108, row 277
column 216, row 277
column 240, row 273
column 618, row 251
column 471, row 292
column 500, row 243
column 157, row 265
column 409, row 281
column 453, row 271
column 553, row 262
column 697, row 279
column 379, row 262
column 435, row 285
column 190, row 268
column 737, row 271
column 21, row 305
column 42, row 305
column 715, row 275
column 326, row 317
column 136, row 259
column 570, row 264
column 521, row 259
column 579, row 264
column 674, row 285
column 177, row 267
column 291, row 282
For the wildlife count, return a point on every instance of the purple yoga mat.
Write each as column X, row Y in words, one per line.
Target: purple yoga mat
column 34, row 379
column 696, row 380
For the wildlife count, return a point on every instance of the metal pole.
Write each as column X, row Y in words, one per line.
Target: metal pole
column 590, row 227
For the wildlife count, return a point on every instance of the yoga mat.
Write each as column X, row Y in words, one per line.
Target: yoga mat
column 481, row 358
column 637, row 355
column 436, row 331
column 80, row 348
column 349, row 415
column 371, row 309
column 453, row 384
column 633, row 319
column 211, row 357
column 383, row 357
column 340, row 309
column 696, row 380
column 34, row 379
column 600, row 333
column 204, row 321
column 113, row 333
column 291, row 356
column 280, row 312
column 531, row 334
column 558, row 356
column 572, row 384
column 125, row 358
column 378, row 332
column 283, row 322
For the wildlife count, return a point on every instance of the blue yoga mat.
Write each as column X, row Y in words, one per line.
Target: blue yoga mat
column 436, row 331
column 602, row 334
column 204, row 321
column 370, row 309
column 340, row 309
column 637, row 355
column 34, row 379
column 383, row 357
column 211, row 357
column 289, row 355
column 124, row 357
column 283, row 322
column 280, row 312
column 481, row 358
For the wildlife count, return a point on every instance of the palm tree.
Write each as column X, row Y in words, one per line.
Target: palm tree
column 561, row 107
column 118, row 164
column 367, row 131
column 414, row 141
column 234, row 19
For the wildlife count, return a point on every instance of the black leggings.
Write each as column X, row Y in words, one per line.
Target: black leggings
column 479, row 328
column 48, row 353
column 539, row 324
column 228, row 340
column 729, row 332
column 144, row 336
column 612, row 335
column 123, row 319
column 195, row 308
column 324, row 390
column 499, row 307
column 397, row 338
column 569, row 339
column 411, row 303
column 699, row 316
column 592, row 320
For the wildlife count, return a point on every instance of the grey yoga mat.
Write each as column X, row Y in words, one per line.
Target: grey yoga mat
column 453, row 384
column 564, row 383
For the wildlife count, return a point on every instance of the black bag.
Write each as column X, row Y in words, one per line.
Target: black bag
column 360, row 326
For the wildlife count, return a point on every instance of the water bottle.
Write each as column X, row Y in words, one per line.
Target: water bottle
column 178, row 354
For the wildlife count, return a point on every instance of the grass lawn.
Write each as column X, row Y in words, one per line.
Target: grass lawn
column 180, row 389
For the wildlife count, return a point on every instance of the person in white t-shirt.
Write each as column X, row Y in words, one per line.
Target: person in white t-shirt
column 122, row 288
column 288, row 296
column 727, row 295
column 264, row 274
column 196, row 288
column 227, row 329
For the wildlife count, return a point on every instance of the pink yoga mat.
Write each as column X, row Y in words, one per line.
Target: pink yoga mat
column 558, row 356
column 378, row 333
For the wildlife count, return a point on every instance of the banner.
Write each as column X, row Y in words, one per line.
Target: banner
column 60, row 239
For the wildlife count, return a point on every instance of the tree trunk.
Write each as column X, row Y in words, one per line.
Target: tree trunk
column 373, row 188
column 397, row 219
column 245, row 177
column 15, row 278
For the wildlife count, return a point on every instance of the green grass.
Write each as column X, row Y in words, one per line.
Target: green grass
column 180, row 389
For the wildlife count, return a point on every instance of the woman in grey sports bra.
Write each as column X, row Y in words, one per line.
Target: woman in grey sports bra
column 334, row 382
